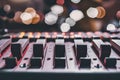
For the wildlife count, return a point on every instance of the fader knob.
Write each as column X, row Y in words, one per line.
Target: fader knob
column 35, row 62
column 110, row 63
column 10, row 62
column 85, row 63
column 59, row 63
column 16, row 50
column 105, row 51
column 59, row 50
column 81, row 51
column 38, row 50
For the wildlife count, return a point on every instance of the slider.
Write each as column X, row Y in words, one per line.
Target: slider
column 103, row 49
column 17, row 48
column 38, row 50
column 59, row 50
column 85, row 63
column 59, row 63
column 10, row 62
column 110, row 62
column 35, row 62
column 81, row 50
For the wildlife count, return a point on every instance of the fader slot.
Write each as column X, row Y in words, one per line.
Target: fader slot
column 70, row 56
column 48, row 62
column 5, row 55
column 4, row 43
column 25, row 61
column 116, row 44
column 59, row 63
column 103, row 49
column 10, row 62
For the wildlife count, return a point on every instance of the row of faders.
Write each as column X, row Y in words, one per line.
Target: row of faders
column 60, row 52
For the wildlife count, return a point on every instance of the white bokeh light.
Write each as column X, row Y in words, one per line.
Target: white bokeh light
column 92, row 12
column 70, row 21
column 76, row 1
column 65, row 27
column 57, row 9
column 76, row 15
column 7, row 7
column 111, row 27
column 26, row 18
column 51, row 18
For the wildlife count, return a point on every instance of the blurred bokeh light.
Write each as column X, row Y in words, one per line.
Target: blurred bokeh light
column 43, row 6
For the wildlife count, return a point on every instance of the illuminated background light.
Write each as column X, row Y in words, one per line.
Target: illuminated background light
column 17, row 17
column 7, row 8
column 65, row 27
column 70, row 21
column 76, row 1
column 76, row 15
column 92, row 12
column 31, row 10
column 57, row 9
column 60, row 2
column 111, row 27
column 118, row 14
column 20, row 1
column 36, row 19
column 51, row 18
column 26, row 18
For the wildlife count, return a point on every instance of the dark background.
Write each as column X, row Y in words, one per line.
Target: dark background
column 111, row 6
